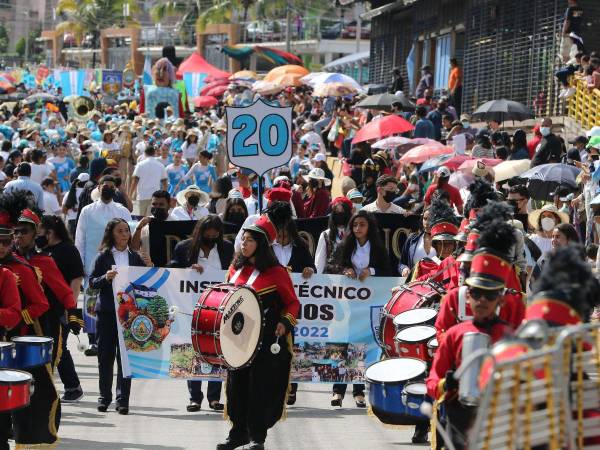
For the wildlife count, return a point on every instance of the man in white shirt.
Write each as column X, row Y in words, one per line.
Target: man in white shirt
column 51, row 206
column 311, row 137
column 40, row 169
column 93, row 220
column 149, row 176
column 387, row 191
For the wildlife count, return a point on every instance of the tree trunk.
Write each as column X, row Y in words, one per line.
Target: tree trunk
column 94, row 43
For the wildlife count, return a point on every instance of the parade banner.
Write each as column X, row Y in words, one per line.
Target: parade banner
column 72, row 82
column 335, row 338
column 112, row 82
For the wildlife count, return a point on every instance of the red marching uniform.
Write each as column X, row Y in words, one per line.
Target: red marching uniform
column 10, row 303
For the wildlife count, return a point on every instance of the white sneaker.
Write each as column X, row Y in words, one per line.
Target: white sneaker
column 570, row 92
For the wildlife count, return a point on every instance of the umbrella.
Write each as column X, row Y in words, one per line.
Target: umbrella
column 334, row 90
column 455, row 162
column 391, row 142
column 6, row 88
column 205, row 101
column 215, row 79
column 382, row 127
column 544, row 179
column 424, row 152
column 501, row 110
column 286, row 79
column 510, row 169
column 467, row 166
column 207, row 87
column 326, row 78
column 384, row 102
column 434, row 163
column 216, row 91
column 244, row 75
column 40, row 97
column 286, row 69
column 266, row 87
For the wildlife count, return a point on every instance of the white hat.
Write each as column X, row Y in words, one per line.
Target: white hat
column 235, row 193
column 443, row 172
column 317, row 174
column 595, row 131
column 354, row 194
column 280, row 178
column 83, row 176
column 308, row 126
column 319, row 157
column 479, row 169
column 192, row 189
column 534, row 216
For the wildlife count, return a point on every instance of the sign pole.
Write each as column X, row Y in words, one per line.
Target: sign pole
column 260, row 194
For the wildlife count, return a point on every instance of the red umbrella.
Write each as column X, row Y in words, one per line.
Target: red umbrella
column 205, row 101
column 424, row 152
column 215, row 79
column 216, row 91
column 209, row 86
column 456, row 161
column 380, row 128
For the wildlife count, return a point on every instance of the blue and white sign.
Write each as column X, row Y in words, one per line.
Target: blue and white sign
column 259, row 136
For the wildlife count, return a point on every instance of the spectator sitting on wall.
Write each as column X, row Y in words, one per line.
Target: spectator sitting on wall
column 426, row 81
column 397, row 82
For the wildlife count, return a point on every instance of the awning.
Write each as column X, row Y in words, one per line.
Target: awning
column 350, row 60
column 386, row 9
column 197, row 64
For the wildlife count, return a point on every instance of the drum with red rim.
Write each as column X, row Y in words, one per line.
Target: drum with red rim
column 412, row 341
column 227, row 326
column 418, row 316
column 418, row 294
column 15, row 389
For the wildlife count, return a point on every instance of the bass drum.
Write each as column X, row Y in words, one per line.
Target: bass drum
column 227, row 326
column 418, row 294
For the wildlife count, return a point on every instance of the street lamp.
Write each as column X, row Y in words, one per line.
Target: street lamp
column 26, row 14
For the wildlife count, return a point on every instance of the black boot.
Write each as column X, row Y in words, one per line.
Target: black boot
column 232, row 443
column 420, row 436
column 256, row 445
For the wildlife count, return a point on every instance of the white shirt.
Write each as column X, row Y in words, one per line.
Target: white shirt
column 150, row 173
column 40, row 171
column 420, row 252
column 313, row 138
column 361, row 257
column 283, row 253
column 213, row 261
column 321, row 251
column 543, row 243
column 392, row 209
column 252, row 205
column 182, row 213
column 100, row 213
column 121, row 257
column 51, row 206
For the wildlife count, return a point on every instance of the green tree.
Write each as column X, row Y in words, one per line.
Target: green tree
column 20, row 47
column 4, row 39
column 87, row 18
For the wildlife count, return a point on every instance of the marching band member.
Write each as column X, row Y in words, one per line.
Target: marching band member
column 486, row 284
column 256, row 394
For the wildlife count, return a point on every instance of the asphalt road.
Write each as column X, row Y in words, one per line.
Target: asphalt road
column 158, row 420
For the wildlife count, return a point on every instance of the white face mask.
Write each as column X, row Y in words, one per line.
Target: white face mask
column 545, row 131
column 548, row 223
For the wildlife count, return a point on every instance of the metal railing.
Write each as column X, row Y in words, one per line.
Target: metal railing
column 584, row 106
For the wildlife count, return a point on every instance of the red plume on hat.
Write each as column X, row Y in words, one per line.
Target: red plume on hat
column 279, row 194
column 264, row 226
column 342, row 199
column 5, row 224
column 30, row 217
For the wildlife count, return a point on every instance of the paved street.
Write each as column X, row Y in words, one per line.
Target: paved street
column 158, row 420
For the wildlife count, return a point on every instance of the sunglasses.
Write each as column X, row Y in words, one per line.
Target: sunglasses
column 488, row 295
column 21, row 231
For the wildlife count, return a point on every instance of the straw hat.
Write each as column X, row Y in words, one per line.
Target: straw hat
column 318, row 174
column 534, row 216
column 192, row 190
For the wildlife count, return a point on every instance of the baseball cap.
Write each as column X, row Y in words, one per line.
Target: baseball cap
column 579, row 140
column 320, row 157
column 83, row 177
column 443, row 172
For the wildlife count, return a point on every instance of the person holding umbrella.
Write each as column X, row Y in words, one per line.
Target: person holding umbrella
column 550, row 148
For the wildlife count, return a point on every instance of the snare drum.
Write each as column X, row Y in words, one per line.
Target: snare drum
column 413, row 395
column 7, row 355
column 227, row 326
column 15, row 389
column 419, row 316
column 432, row 347
column 418, row 294
column 32, row 351
column 387, row 380
column 412, row 341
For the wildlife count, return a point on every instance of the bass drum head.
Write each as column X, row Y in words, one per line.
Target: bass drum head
column 416, row 388
column 14, row 376
column 419, row 333
column 395, row 370
column 32, row 339
column 240, row 327
column 414, row 317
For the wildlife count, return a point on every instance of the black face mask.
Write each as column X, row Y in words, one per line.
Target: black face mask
column 389, row 196
column 314, row 184
column 107, row 193
column 236, row 217
column 210, row 241
column 193, row 201
column 340, row 218
column 159, row 213
column 595, row 157
column 41, row 241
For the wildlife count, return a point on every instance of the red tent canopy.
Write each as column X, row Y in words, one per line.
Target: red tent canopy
column 196, row 63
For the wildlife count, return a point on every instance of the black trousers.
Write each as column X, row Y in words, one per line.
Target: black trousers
column 213, row 392
column 458, row 423
column 108, row 350
column 456, row 100
column 357, row 389
column 66, row 367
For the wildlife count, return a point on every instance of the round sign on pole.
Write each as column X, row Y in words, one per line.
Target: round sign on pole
column 259, row 136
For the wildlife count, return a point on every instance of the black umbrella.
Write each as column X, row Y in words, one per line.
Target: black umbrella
column 546, row 178
column 384, row 102
column 501, row 110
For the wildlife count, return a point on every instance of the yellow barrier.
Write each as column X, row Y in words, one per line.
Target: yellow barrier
column 584, row 106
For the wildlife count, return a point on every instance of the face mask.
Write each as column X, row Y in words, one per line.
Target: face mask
column 41, row 241
column 595, row 157
column 340, row 218
column 389, row 197
column 159, row 213
column 357, row 207
column 236, row 217
column 193, row 201
column 545, row 131
column 107, row 193
column 548, row 224
column 210, row 241
column 466, row 124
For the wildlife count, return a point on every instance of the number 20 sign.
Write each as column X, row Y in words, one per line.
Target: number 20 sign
column 259, row 136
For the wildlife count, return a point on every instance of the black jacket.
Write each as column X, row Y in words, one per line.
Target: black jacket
column 181, row 254
column 300, row 259
column 408, row 249
column 103, row 263
column 550, row 151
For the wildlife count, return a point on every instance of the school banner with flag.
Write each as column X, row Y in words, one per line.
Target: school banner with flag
column 72, row 82
column 335, row 339
column 193, row 83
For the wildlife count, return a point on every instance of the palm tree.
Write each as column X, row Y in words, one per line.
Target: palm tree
column 85, row 18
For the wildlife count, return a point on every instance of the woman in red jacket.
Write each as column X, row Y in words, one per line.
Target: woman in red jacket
column 318, row 199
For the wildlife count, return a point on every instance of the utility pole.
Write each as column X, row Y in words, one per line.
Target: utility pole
column 288, row 27
column 358, row 10
column 26, row 13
